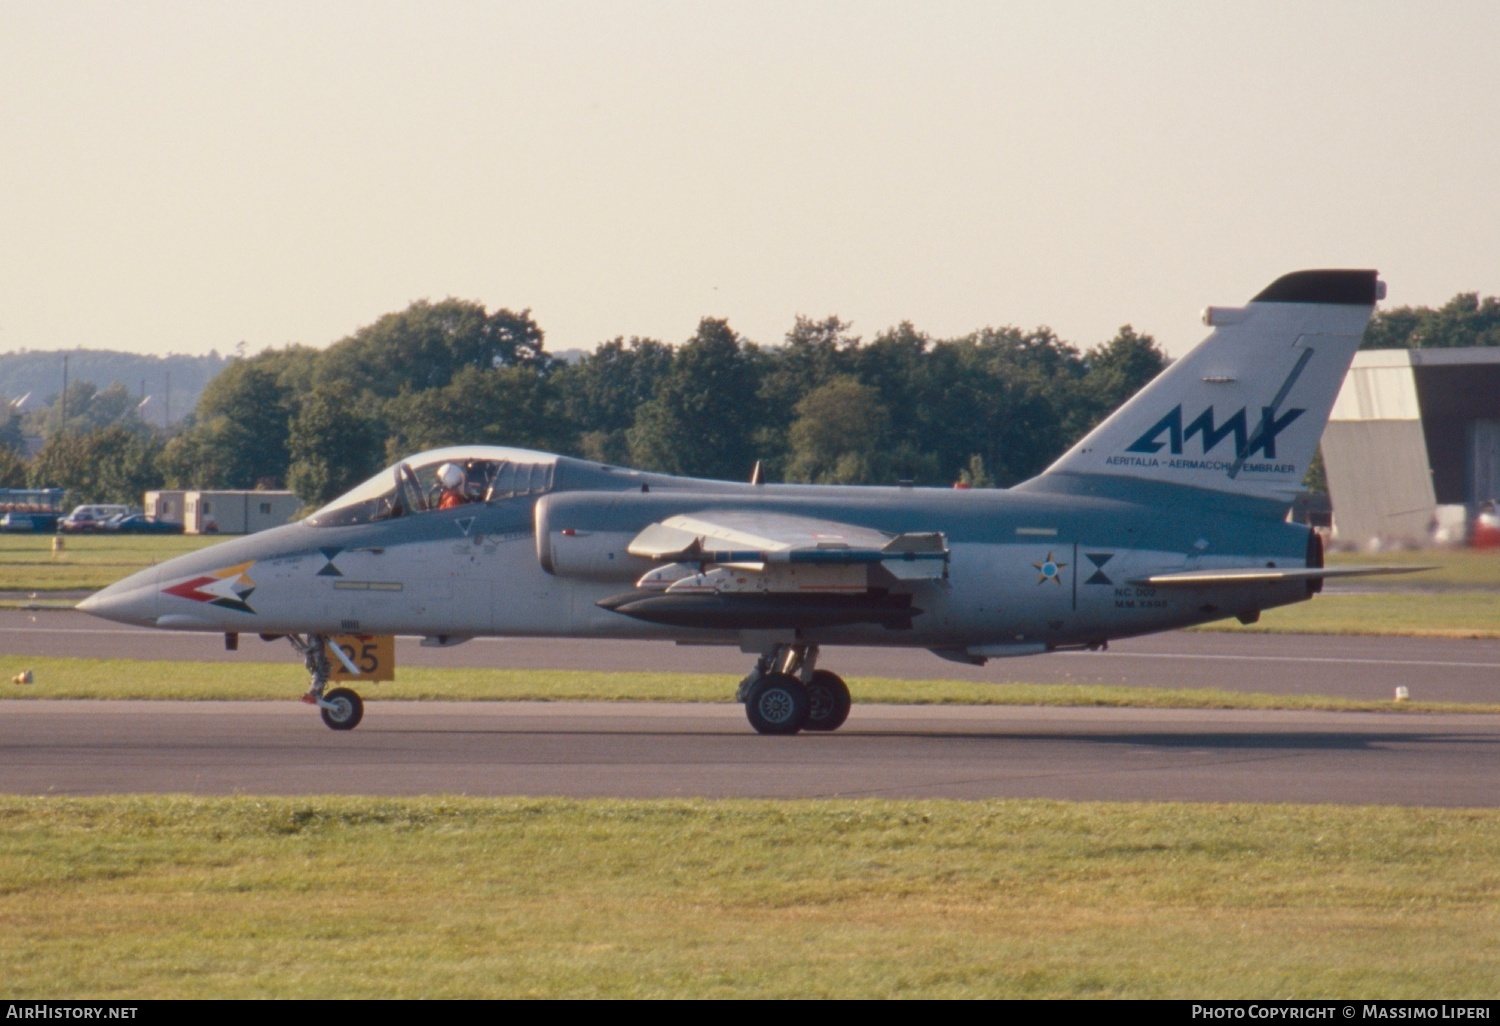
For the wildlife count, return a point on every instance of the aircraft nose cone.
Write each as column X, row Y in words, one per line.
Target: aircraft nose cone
column 132, row 600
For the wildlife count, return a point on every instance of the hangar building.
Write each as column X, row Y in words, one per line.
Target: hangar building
column 1413, row 445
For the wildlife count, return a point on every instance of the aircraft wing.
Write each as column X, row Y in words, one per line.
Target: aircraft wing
column 752, row 570
column 758, row 540
column 1264, row 575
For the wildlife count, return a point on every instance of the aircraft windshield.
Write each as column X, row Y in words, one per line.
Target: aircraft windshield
column 431, row 482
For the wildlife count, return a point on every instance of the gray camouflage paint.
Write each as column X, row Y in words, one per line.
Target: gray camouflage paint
column 475, row 570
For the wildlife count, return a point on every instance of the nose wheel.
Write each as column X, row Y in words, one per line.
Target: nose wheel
column 341, row 708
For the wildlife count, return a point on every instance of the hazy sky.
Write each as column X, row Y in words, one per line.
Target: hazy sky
column 184, row 176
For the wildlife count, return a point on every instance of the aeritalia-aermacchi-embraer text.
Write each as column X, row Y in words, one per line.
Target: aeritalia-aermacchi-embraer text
column 1172, row 512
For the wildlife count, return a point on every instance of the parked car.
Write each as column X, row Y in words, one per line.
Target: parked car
column 140, row 523
column 1486, row 531
column 90, row 518
column 18, row 522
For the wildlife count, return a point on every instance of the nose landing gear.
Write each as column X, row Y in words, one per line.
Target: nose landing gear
column 785, row 694
column 341, row 708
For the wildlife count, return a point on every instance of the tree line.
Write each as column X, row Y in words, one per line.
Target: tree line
column 990, row 408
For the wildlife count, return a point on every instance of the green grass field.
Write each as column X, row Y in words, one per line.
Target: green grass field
column 174, row 897
column 1464, row 569
column 88, row 561
column 127, row 679
column 1439, row 614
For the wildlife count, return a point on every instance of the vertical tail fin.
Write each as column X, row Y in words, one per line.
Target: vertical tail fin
column 1242, row 412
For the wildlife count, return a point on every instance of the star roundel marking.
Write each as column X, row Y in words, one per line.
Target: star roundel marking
column 1048, row 570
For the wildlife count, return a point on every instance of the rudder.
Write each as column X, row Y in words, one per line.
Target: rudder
column 1243, row 412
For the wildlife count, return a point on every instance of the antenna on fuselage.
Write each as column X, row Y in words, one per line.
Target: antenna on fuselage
column 757, row 476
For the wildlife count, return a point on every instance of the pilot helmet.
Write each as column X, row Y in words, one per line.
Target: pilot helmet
column 450, row 475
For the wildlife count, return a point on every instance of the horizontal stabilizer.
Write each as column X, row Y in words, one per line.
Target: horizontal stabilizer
column 1267, row 575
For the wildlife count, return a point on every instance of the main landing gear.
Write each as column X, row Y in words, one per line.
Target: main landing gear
column 786, row 694
column 342, row 708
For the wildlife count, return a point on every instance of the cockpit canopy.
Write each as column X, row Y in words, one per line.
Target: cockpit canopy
column 413, row 486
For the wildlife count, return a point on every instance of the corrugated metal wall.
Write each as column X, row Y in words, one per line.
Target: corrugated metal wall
column 1375, row 455
column 1411, row 429
column 1379, row 482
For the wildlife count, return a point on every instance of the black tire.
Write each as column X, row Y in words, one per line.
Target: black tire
column 349, row 709
column 829, row 701
column 777, row 704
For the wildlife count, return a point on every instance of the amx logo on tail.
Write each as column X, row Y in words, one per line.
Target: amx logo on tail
column 1245, row 445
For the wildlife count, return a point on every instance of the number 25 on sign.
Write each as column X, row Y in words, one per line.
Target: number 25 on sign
column 374, row 655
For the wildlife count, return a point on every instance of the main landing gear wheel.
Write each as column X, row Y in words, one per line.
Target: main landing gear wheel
column 829, row 701
column 342, row 709
column 777, row 704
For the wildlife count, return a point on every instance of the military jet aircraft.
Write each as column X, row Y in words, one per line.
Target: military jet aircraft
column 1172, row 512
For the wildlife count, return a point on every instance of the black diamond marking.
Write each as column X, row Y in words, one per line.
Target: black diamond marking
column 1099, row 559
column 329, row 570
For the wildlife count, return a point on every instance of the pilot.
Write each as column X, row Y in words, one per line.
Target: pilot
column 452, row 479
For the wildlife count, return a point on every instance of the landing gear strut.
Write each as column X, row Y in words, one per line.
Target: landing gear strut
column 785, row 693
column 342, row 708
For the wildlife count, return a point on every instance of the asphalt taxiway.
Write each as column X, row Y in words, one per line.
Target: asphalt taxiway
column 698, row 750
column 638, row 750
